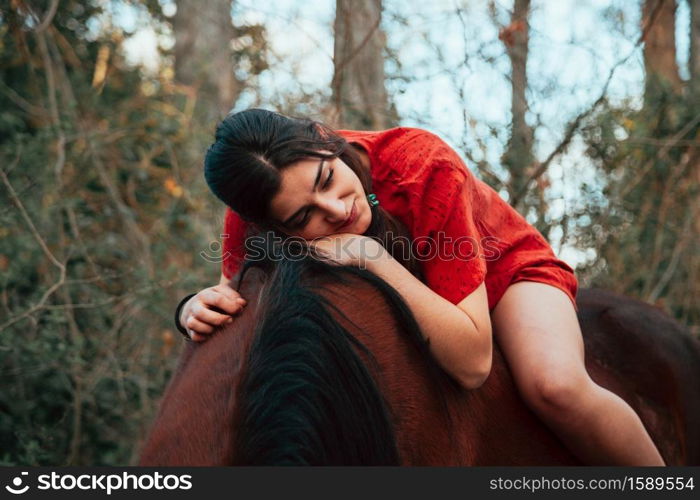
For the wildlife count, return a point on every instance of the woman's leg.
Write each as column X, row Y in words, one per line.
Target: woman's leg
column 536, row 327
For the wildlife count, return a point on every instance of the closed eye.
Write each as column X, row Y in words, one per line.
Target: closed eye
column 330, row 177
column 327, row 183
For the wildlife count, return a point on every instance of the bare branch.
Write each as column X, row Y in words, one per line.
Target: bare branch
column 25, row 215
column 669, row 144
column 574, row 125
column 48, row 18
column 677, row 251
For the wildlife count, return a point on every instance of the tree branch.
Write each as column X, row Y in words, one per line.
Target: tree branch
column 576, row 122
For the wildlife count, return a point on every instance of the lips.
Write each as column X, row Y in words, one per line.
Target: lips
column 351, row 217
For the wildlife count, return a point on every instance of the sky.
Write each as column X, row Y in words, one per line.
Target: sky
column 573, row 46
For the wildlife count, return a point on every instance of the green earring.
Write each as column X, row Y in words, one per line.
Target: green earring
column 372, row 199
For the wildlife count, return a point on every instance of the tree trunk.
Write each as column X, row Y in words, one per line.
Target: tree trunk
column 518, row 156
column 694, row 61
column 659, row 25
column 360, row 99
column 203, row 57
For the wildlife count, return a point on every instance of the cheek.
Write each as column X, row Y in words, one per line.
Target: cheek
column 312, row 230
column 307, row 235
column 317, row 228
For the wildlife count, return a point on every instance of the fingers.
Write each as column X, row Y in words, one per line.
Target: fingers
column 204, row 315
column 227, row 291
column 321, row 249
column 209, row 309
column 223, row 301
column 197, row 329
column 231, row 294
column 197, row 337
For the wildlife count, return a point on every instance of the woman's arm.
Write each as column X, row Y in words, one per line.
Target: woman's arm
column 460, row 335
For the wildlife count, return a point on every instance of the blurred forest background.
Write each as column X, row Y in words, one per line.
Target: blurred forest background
column 584, row 115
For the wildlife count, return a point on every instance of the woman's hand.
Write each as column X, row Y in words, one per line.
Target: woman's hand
column 209, row 309
column 350, row 249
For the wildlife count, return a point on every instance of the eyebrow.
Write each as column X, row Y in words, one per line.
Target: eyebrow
column 318, row 177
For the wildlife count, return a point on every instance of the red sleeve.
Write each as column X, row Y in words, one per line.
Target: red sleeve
column 233, row 246
column 452, row 257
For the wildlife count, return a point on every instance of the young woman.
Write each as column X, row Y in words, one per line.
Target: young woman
column 476, row 265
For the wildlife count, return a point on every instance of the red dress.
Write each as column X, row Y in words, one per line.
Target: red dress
column 464, row 233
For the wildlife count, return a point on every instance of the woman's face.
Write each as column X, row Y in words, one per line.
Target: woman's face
column 318, row 197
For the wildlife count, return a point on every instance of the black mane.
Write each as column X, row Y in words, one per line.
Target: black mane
column 307, row 397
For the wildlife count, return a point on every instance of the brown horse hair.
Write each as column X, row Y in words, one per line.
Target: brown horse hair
column 307, row 397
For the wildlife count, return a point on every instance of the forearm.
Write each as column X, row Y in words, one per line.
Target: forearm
column 456, row 342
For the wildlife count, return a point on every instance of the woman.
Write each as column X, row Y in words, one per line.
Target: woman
column 476, row 265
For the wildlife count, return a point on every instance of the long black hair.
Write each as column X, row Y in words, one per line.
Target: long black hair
column 243, row 169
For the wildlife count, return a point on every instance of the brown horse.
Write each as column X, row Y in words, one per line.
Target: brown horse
column 327, row 366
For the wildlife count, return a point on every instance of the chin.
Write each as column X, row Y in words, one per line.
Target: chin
column 366, row 226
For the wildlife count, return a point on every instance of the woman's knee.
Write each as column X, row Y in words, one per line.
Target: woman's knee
column 559, row 391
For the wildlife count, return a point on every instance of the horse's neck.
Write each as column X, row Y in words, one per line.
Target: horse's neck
column 487, row 426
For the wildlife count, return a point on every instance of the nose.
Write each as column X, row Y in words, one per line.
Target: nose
column 334, row 209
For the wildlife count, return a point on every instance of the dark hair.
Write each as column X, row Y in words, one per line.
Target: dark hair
column 242, row 168
column 308, row 394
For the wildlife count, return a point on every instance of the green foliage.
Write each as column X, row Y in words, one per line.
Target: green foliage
column 649, row 160
column 103, row 212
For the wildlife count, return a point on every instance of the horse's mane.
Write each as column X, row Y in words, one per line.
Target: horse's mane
column 307, row 397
